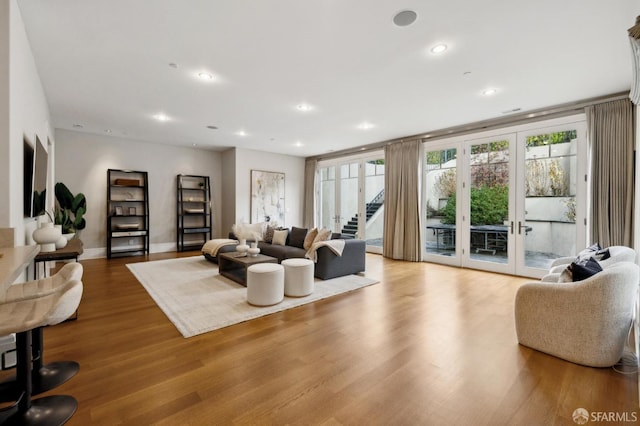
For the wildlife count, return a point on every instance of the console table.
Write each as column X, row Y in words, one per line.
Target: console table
column 13, row 262
column 72, row 250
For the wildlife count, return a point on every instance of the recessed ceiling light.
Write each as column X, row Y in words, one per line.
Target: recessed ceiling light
column 241, row 133
column 212, row 127
column 439, row 48
column 107, row 130
column 304, row 107
column 489, row 92
column 173, row 65
column 161, row 117
column 298, row 144
column 365, row 126
column 205, row 76
column 77, row 126
column 194, row 144
column 405, row 18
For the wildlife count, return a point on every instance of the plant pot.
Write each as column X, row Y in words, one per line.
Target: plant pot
column 62, row 241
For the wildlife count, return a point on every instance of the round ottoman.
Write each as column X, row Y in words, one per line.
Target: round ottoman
column 298, row 277
column 265, row 284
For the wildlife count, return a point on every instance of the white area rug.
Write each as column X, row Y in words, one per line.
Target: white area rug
column 197, row 299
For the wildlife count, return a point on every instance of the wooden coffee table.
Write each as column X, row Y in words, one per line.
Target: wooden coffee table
column 233, row 265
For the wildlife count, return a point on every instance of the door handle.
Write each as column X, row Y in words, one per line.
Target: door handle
column 511, row 227
column 520, row 226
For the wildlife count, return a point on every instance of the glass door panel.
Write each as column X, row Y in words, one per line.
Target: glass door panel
column 488, row 201
column 374, row 204
column 349, row 188
column 327, row 197
column 549, row 200
column 441, row 185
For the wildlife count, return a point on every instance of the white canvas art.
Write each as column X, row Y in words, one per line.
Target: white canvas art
column 267, row 197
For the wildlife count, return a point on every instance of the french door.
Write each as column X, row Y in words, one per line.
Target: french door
column 351, row 198
column 508, row 202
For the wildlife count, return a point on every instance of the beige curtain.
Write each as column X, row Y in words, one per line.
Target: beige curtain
column 612, row 146
column 309, row 202
column 402, row 227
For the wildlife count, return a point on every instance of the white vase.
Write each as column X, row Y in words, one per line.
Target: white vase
column 242, row 247
column 253, row 251
column 46, row 236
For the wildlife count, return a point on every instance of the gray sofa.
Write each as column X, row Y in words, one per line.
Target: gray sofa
column 328, row 264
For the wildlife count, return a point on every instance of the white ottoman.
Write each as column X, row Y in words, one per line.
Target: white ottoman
column 298, row 277
column 265, row 284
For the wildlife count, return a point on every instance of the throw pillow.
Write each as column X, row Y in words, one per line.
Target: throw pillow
column 296, row 238
column 602, row 255
column 268, row 234
column 308, row 240
column 280, row 237
column 580, row 269
column 323, row 235
column 584, row 270
column 589, row 251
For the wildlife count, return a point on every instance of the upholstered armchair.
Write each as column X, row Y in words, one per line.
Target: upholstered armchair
column 586, row 322
column 616, row 253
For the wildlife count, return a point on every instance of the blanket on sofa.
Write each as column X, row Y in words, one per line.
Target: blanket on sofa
column 336, row 246
column 211, row 247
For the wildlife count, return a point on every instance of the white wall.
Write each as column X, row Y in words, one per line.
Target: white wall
column 229, row 194
column 82, row 161
column 5, row 142
column 293, row 168
column 24, row 116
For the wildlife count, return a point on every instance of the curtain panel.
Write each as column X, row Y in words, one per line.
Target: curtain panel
column 309, row 201
column 402, row 224
column 611, row 139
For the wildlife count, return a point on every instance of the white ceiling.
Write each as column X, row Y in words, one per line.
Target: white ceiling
column 104, row 65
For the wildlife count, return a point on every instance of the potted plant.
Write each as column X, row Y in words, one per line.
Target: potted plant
column 70, row 209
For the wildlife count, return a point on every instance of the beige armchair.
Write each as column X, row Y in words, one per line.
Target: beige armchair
column 617, row 254
column 585, row 322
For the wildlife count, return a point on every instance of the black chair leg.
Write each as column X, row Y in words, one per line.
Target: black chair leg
column 44, row 376
column 50, row 411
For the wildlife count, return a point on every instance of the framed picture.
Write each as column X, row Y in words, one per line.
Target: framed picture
column 132, row 211
column 118, row 211
column 267, row 197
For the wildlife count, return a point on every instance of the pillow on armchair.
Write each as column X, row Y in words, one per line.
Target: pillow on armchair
column 580, row 269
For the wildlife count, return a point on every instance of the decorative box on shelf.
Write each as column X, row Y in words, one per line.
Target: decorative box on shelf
column 127, row 182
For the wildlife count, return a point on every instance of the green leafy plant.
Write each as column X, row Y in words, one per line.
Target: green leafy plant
column 70, row 209
column 489, row 206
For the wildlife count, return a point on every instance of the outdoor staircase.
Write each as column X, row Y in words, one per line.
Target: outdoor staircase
column 351, row 227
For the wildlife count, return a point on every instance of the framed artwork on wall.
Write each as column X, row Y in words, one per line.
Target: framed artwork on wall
column 267, row 197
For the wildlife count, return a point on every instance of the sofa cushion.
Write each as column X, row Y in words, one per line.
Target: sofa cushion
column 281, row 252
column 308, row 240
column 280, row 237
column 297, row 236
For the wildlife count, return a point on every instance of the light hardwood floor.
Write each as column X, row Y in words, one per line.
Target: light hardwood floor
column 428, row 345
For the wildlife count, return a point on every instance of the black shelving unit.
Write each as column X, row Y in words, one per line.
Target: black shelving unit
column 193, row 211
column 127, row 213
